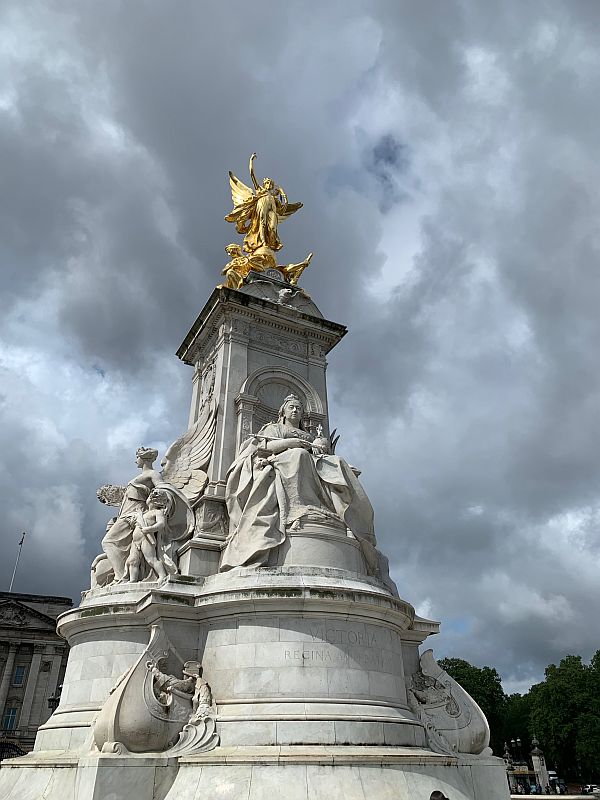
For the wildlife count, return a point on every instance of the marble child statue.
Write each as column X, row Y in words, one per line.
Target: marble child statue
column 136, row 539
column 284, row 474
column 147, row 543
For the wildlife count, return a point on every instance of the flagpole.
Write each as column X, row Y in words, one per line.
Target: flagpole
column 12, row 580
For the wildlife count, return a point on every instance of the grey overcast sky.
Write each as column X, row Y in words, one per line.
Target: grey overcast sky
column 447, row 157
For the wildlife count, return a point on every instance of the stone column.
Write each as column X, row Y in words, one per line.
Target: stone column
column 32, row 679
column 7, row 676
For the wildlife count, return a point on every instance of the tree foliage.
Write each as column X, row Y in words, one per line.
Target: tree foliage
column 565, row 715
column 563, row 712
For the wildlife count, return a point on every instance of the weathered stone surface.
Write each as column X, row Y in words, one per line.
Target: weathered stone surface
column 311, row 656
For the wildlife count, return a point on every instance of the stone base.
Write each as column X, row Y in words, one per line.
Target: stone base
column 320, row 544
column 258, row 773
column 200, row 556
column 308, row 668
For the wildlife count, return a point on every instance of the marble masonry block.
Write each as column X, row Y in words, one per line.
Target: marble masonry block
column 32, row 784
column 76, row 693
column 386, row 784
column 305, row 732
column 347, row 683
column 80, row 737
column 487, row 781
column 101, row 688
column 383, row 685
column 268, row 782
column 222, row 633
column 266, row 655
column 296, row 629
column 303, row 681
column 390, row 662
column 99, row 778
column 453, row 783
column 233, row 782
column 245, row 654
column 185, row 784
column 262, row 732
column 398, row 735
column 199, row 557
column 410, row 657
column 335, row 782
column 261, row 679
column 97, row 667
column 223, row 683
column 261, row 629
column 55, row 739
column 347, row 732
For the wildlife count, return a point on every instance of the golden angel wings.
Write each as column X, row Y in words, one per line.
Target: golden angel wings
column 244, row 201
column 256, row 212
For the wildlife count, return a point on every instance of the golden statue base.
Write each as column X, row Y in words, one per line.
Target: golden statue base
column 241, row 264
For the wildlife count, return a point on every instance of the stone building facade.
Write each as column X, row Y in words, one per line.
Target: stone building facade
column 32, row 663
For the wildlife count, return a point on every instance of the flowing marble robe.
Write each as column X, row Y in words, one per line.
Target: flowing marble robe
column 267, row 493
column 118, row 538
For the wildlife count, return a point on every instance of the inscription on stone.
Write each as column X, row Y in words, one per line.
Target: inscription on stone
column 369, row 659
column 349, row 647
column 343, row 636
column 308, row 655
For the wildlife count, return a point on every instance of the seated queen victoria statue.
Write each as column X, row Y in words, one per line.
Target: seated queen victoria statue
column 283, row 476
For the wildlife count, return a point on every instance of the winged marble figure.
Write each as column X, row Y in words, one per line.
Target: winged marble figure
column 183, row 479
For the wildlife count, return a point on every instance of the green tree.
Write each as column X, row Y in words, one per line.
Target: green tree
column 517, row 718
column 563, row 711
column 565, row 715
column 485, row 687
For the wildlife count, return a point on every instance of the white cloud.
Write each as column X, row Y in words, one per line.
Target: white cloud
column 448, row 168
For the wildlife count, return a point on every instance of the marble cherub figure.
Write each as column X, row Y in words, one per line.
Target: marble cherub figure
column 147, row 539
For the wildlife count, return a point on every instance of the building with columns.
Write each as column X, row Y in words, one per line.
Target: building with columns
column 32, row 663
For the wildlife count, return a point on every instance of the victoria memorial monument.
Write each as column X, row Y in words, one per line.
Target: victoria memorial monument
column 242, row 636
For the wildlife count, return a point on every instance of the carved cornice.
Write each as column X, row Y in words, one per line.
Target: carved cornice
column 218, row 316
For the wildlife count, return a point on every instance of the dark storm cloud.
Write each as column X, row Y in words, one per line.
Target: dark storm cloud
column 447, row 166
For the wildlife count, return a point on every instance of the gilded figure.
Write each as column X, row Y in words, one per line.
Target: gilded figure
column 257, row 213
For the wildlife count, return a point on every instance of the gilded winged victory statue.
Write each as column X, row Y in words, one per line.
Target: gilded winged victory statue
column 257, row 213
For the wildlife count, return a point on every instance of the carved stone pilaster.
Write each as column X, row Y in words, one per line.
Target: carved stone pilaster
column 245, row 405
column 32, row 679
column 7, row 674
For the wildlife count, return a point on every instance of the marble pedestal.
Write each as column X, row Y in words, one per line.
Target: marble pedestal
column 308, row 667
column 257, row 773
